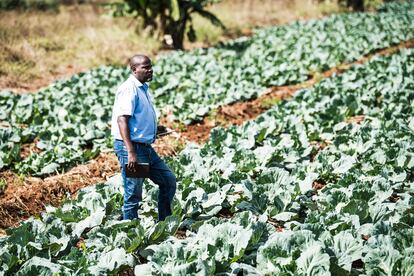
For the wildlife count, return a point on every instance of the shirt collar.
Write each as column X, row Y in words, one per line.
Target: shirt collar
column 137, row 82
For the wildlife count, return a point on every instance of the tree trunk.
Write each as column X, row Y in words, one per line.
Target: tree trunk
column 178, row 37
column 177, row 31
column 356, row 5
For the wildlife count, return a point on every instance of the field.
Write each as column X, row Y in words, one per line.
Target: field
column 315, row 179
column 76, row 39
column 183, row 90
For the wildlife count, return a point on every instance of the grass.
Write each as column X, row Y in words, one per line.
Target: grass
column 216, row 118
column 241, row 16
column 39, row 47
column 268, row 102
column 177, row 145
column 3, row 185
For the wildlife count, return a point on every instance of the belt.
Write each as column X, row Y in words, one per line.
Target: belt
column 139, row 143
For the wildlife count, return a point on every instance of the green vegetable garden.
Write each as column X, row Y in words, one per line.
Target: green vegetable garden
column 303, row 189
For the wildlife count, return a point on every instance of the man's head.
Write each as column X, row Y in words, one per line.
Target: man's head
column 141, row 67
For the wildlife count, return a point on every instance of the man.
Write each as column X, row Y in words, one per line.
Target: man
column 134, row 128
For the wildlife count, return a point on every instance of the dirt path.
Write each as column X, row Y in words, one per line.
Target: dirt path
column 27, row 196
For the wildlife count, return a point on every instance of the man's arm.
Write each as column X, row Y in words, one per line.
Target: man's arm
column 124, row 131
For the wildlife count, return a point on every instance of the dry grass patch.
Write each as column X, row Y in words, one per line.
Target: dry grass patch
column 241, row 16
column 39, row 47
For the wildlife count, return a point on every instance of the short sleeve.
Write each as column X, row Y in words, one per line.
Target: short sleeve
column 126, row 102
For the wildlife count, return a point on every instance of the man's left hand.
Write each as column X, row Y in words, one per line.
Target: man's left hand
column 161, row 130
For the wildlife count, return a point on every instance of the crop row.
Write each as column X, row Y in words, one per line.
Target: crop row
column 192, row 84
column 331, row 168
column 68, row 121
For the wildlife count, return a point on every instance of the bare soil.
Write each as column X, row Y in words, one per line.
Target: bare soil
column 27, row 196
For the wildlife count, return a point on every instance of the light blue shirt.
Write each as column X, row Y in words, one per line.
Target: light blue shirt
column 133, row 98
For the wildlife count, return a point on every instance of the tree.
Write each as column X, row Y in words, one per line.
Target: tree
column 167, row 19
column 356, row 5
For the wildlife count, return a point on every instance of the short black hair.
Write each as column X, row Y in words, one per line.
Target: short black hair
column 137, row 60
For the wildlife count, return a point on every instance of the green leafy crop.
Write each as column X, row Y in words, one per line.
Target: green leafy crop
column 69, row 121
column 246, row 201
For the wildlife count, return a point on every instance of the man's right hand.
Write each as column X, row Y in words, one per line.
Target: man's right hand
column 124, row 131
column 132, row 159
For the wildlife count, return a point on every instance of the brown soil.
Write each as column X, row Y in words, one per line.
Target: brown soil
column 27, row 149
column 276, row 224
column 394, row 198
column 180, row 234
column 355, row 120
column 26, row 196
column 318, row 184
column 127, row 271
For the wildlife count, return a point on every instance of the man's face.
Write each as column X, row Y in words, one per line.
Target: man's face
column 143, row 71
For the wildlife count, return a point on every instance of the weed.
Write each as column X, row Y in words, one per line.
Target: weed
column 268, row 102
column 177, row 145
column 178, row 126
column 3, row 185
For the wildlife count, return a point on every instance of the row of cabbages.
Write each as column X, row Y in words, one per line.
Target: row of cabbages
column 320, row 184
column 68, row 121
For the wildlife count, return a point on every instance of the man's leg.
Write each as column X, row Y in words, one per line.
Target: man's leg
column 132, row 197
column 161, row 175
column 132, row 186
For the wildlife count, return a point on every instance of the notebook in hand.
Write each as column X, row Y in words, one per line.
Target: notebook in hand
column 141, row 170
